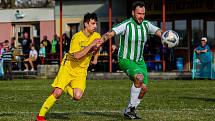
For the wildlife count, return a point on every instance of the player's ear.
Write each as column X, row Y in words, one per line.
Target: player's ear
column 132, row 13
column 85, row 24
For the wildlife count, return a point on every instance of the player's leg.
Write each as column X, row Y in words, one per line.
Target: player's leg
column 75, row 93
column 61, row 81
column 56, row 93
column 78, row 85
column 78, row 93
column 138, row 88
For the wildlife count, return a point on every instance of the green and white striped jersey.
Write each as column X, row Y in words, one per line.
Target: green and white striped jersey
column 133, row 37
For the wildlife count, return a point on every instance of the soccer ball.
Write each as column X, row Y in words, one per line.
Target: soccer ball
column 170, row 38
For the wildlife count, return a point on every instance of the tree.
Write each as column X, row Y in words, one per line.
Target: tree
column 26, row 3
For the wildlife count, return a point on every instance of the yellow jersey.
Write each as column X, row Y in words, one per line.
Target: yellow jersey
column 78, row 42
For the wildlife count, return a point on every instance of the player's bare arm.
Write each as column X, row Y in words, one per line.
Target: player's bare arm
column 108, row 35
column 95, row 57
column 159, row 33
column 80, row 54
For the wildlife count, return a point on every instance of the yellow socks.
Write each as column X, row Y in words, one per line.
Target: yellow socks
column 47, row 105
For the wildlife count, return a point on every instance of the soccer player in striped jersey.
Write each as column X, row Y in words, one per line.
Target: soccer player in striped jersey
column 133, row 36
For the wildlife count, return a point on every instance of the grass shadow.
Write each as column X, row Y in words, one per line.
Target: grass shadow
column 7, row 114
column 104, row 114
column 62, row 116
column 200, row 98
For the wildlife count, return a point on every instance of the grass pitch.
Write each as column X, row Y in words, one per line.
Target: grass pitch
column 104, row 100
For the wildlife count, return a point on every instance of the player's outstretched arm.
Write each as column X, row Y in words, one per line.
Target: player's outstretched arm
column 107, row 36
column 159, row 33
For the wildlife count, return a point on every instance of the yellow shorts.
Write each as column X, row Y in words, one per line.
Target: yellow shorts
column 70, row 76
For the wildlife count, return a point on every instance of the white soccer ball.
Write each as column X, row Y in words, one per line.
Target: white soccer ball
column 170, row 38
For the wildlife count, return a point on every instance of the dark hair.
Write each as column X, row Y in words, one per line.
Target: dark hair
column 13, row 38
column 89, row 16
column 137, row 3
column 6, row 41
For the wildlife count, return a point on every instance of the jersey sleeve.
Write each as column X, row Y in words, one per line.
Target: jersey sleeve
column 97, row 35
column 120, row 28
column 152, row 28
column 74, row 44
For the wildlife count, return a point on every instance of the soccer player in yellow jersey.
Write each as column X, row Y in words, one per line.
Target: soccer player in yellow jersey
column 71, row 77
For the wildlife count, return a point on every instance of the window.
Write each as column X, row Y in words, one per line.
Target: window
column 168, row 25
column 181, row 29
column 211, row 33
column 197, row 32
column 73, row 28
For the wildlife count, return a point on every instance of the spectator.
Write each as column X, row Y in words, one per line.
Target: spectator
column 47, row 44
column 42, row 53
column 25, row 44
column 66, row 43
column 32, row 57
column 1, row 49
column 17, row 53
column 12, row 41
column 204, row 55
column 1, row 61
column 7, row 56
column 114, row 58
column 55, row 44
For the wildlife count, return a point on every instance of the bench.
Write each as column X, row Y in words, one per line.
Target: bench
column 51, row 58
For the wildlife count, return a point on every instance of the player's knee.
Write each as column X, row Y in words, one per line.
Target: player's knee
column 57, row 93
column 138, row 80
column 77, row 95
column 139, row 77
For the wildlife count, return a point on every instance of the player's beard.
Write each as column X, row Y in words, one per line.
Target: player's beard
column 138, row 21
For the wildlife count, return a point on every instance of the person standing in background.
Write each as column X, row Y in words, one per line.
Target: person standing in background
column 55, row 44
column 7, row 56
column 47, row 44
column 26, row 45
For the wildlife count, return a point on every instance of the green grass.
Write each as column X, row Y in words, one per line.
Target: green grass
column 104, row 100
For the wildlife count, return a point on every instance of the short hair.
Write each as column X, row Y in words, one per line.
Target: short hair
column 6, row 41
column 13, row 38
column 89, row 16
column 137, row 3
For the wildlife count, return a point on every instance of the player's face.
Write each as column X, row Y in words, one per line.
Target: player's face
column 91, row 26
column 139, row 14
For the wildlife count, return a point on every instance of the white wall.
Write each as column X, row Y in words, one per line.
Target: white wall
column 33, row 14
column 77, row 9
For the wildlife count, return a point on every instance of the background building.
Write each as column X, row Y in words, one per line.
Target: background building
column 33, row 16
column 192, row 19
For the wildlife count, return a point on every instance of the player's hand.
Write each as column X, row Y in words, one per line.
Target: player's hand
column 95, row 45
column 94, row 62
column 96, row 42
